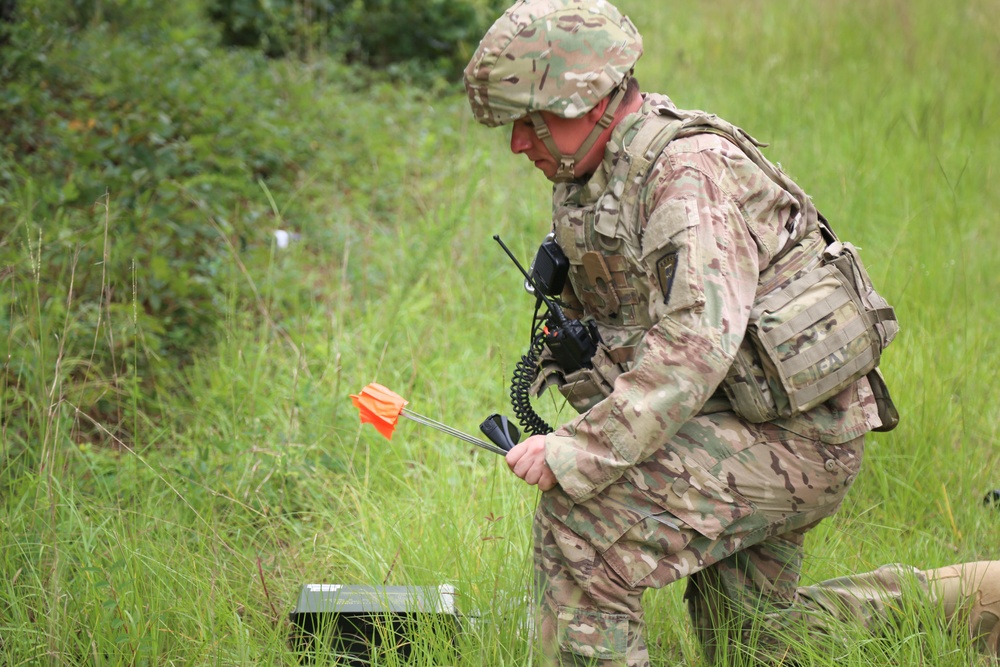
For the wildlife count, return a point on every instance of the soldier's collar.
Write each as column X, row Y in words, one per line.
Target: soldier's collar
column 585, row 192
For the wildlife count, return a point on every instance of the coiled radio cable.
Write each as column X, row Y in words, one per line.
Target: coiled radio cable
column 525, row 372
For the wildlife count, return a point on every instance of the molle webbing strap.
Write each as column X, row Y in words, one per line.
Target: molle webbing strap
column 840, row 338
column 837, row 380
column 848, row 274
column 780, row 298
column 744, row 393
column 651, row 138
column 803, row 320
column 622, row 355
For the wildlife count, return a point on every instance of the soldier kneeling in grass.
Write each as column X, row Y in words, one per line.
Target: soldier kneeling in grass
column 735, row 376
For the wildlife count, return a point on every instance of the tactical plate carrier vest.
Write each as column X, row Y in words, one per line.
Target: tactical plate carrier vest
column 817, row 324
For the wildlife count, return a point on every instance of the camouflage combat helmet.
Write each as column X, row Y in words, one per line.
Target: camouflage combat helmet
column 559, row 56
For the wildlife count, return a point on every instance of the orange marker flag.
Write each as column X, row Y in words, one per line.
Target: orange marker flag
column 379, row 407
column 382, row 408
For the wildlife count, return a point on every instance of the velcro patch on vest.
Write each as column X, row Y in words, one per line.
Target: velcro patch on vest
column 666, row 269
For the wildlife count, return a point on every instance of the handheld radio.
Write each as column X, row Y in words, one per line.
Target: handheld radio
column 572, row 343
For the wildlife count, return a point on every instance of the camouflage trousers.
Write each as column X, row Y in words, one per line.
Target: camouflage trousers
column 726, row 504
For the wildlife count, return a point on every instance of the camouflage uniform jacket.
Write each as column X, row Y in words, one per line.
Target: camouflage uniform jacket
column 668, row 265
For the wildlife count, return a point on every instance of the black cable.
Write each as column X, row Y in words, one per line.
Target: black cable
column 525, row 372
column 524, row 375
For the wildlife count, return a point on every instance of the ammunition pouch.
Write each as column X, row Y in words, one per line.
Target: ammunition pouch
column 583, row 388
column 811, row 339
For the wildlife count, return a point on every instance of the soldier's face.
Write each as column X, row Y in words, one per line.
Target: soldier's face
column 568, row 135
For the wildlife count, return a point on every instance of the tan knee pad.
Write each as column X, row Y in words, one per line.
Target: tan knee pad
column 971, row 589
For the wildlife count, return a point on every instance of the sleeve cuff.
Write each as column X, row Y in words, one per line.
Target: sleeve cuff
column 581, row 474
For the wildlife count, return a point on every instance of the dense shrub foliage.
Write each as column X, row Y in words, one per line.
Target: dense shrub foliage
column 137, row 165
column 433, row 35
column 125, row 192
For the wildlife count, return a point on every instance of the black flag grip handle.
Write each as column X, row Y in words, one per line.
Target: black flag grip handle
column 500, row 431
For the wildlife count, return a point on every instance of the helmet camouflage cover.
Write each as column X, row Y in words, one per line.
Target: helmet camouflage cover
column 560, row 56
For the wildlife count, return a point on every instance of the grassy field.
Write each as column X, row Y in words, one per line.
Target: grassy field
column 188, row 545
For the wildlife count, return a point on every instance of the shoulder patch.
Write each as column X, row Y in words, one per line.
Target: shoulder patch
column 666, row 268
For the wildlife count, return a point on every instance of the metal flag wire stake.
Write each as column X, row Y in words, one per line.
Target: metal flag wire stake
column 381, row 407
column 426, row 421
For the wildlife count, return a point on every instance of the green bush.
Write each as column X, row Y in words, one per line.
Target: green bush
column 277, row 27
column 137, row 162
column 79, row 14
column 125, row 196
column 436, row 36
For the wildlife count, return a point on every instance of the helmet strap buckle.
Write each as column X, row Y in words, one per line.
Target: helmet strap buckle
column 567, row 164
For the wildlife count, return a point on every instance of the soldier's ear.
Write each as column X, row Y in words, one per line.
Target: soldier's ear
column 595, row 114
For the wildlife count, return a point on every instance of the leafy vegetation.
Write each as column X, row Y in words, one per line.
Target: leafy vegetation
column 435, row 36
column 177, row 451
column 127, row 191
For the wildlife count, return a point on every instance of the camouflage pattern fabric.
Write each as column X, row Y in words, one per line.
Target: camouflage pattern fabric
column 727, row 504
column 748, row 609
column 705, row 207
column 560, row 56
column 660, row 480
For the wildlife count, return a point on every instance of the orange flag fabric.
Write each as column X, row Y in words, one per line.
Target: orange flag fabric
column 379, row 407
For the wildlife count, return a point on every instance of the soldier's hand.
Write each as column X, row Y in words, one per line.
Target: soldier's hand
column 527, row 461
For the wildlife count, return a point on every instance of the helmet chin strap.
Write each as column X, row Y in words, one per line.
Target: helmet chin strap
column 567, row 164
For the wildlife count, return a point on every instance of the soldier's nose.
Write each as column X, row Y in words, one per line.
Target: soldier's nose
column 520, row 138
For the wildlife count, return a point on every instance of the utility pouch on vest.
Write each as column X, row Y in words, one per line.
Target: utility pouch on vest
column 886, row 408
column 583, row 388
column 811, row 339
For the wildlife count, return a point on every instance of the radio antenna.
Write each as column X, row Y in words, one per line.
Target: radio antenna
column 552, row 306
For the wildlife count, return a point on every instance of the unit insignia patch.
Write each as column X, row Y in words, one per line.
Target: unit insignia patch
column 666, row 267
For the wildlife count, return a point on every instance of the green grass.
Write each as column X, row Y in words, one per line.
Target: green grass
column 187, row 543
